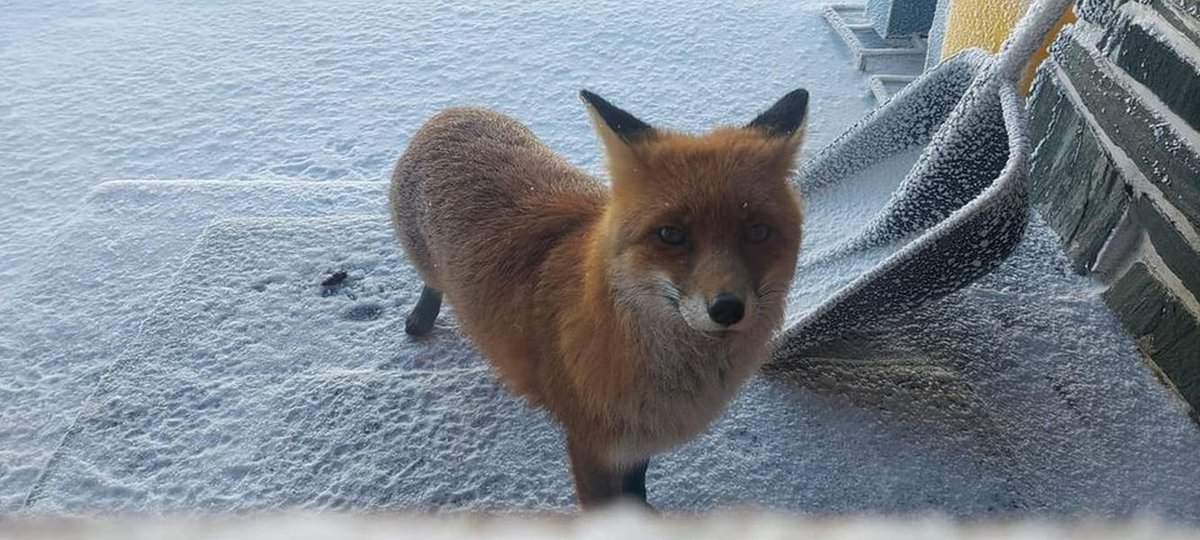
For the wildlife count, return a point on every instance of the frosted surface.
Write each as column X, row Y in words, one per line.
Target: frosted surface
column 94, row 91
column 222, row 375
column 252, row 386
column 108, row 266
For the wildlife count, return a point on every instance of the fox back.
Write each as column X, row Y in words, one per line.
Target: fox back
column 632, row 311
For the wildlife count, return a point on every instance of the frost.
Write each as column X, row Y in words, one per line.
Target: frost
column 233, row 345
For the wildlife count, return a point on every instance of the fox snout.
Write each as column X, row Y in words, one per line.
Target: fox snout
column 727, row 309
column 721, row 312
column 719, row 291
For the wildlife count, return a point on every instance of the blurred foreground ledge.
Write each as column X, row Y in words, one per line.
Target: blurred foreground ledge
column 622, row 523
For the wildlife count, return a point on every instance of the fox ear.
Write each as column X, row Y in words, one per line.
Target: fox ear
column 618, row 129
column 785, row 117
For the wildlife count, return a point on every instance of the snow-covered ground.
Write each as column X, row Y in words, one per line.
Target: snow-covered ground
column 111, row 89
column 626, row 523
column 170, row 345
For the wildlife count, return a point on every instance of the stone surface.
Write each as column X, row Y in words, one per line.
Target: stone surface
column 1184, row 15
column 1079, row 187
column 1164, row 328
column 1074, row 184
column 1152, row 62
column 1155, row 148
column 1182, row 258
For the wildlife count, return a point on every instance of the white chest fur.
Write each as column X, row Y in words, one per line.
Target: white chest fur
column 682, row 389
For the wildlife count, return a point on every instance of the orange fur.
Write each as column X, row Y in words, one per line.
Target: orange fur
column 564, row 286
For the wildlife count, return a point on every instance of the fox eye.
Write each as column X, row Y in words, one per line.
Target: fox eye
column 759, row 233
column 672, row 236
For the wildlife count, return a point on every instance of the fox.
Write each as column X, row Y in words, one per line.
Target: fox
column 631, row 311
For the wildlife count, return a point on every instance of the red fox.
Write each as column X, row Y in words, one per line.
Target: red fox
column 632, row 314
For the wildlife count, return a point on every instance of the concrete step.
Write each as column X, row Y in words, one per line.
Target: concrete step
column 252, row 386
column 66, row 321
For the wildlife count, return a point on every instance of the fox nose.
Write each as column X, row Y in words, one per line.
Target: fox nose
column 727, row 309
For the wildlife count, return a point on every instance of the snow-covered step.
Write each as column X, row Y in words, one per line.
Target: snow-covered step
column 252, row 385
column 66, row 321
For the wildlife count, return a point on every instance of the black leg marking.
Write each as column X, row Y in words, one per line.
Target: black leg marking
column 420, row 321
column 633, row 482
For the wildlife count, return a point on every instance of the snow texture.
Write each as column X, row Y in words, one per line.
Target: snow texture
column 99, row 278
column 346, row 412
column 254, row 386
column 264, row 366
column 281, row 91
column 96, row 90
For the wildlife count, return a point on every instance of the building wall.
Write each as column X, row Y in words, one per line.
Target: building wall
column 1115, row 120
column 984, row 24
column 900, row 18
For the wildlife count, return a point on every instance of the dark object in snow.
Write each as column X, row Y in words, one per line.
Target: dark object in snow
column 335, row 280
column 420, row 321
column 958, row 213
column 365, row 311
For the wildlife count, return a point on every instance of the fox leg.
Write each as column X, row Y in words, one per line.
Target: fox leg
column 633, row 482
column 598, row 484
column 420, row 321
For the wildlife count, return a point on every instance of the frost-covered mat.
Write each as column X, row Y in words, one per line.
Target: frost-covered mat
column 955, row 215
column 835, row 213
column 254, row 385
column 63, row 323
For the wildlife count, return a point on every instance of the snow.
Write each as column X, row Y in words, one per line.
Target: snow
column 252, row 387
column 360, row 416
column 620, row 522
column 289, row 91
column 107, row 267
column 97, row 90
column 170, row 346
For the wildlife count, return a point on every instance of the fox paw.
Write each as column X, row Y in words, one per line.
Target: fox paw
column 415, row 325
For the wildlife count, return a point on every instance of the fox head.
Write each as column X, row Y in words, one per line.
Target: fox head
column 703, row 229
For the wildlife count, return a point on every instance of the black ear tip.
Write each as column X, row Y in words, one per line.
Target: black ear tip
column 786, row 115
column 590, row 98
column 625, row 125
column 797, row 98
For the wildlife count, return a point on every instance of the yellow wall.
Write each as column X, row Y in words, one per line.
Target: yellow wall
column 985, row 24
